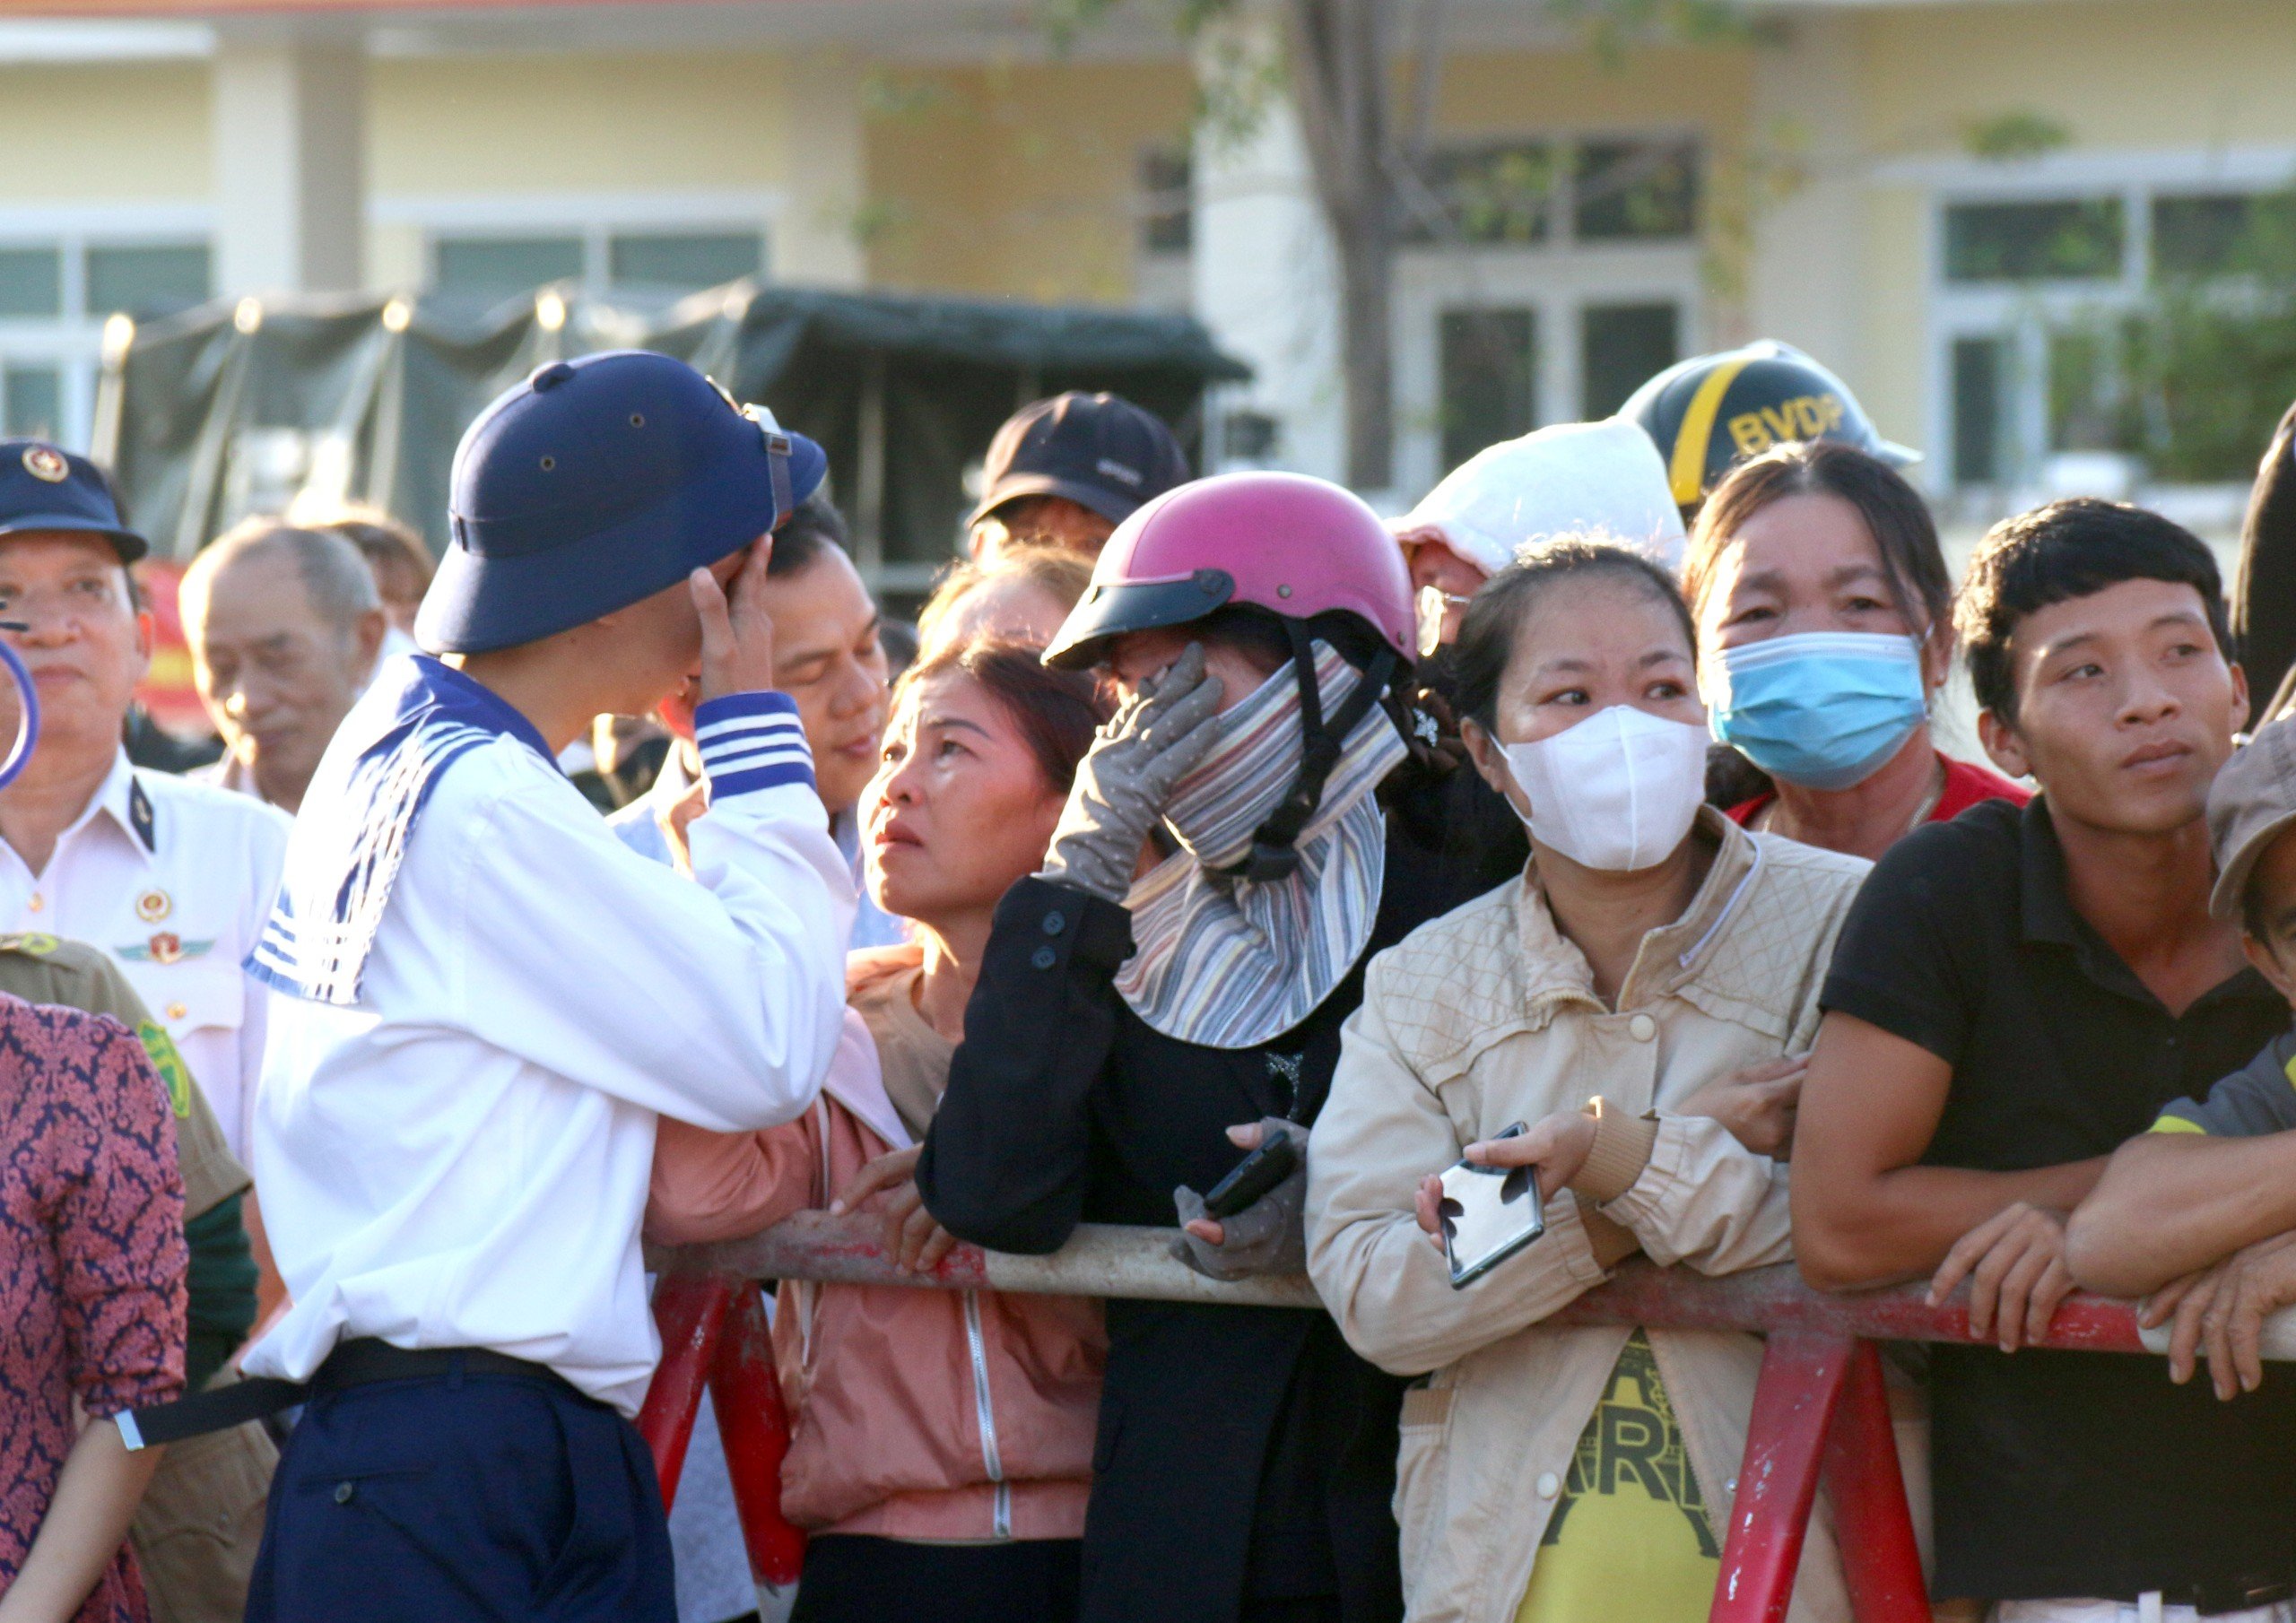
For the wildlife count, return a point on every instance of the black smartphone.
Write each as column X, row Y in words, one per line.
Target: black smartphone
column 1253, row 1176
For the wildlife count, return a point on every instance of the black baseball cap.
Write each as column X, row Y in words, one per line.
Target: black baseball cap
column 43, row 487
column 1099, row 451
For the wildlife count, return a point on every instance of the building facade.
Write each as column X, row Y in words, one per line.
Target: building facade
column 1957, row 204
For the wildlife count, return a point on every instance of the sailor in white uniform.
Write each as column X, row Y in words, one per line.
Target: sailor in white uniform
column 482, row 1001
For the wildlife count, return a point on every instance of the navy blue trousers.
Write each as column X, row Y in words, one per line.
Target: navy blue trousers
column 486, row 1499
column 860, row 1578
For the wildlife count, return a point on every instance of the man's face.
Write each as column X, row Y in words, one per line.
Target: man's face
column 1040, row 520
column 2125, row 706
column 827, row 657
column 86, row 645
column 276, row 676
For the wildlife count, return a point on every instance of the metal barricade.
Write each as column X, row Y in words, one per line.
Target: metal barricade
column 1821, row 1413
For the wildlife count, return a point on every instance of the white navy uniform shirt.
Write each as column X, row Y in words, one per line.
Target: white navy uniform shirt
column 173, row 879
column 456, row 1153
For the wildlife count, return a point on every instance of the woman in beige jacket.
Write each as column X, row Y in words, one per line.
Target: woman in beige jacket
column 1651, row 950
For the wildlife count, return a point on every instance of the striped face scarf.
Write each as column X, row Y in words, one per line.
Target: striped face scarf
column 1230, row 963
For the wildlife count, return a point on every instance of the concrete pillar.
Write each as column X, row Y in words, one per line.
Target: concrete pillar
column 817, row 237
column 290, row 140
column 1265, row 275
column 1804, row 281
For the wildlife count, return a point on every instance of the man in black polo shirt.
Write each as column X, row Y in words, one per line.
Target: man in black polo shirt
column 2015, row 993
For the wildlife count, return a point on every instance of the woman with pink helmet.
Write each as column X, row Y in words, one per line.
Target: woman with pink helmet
column 1169, row 990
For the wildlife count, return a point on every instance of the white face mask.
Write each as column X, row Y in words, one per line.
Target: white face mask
column 1618, row 791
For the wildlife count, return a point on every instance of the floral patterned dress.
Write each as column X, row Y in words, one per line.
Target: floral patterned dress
column 92, row 1260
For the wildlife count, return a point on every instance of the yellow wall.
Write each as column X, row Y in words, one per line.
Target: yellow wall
column 104, row 133
column 1017, row 181
column 1891, row 379
column 2178, row 73
column 594, row 124
column 1528, row 91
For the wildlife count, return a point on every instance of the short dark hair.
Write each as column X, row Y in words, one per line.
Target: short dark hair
column 1892, row 510
column 1487, row 630
column 2061, row 552
column 815, row 528
column 383, row 541
column 1057, row 711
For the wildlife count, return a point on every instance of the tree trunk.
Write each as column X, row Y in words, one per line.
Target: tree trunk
column 1341, row 62
column 1366, row 352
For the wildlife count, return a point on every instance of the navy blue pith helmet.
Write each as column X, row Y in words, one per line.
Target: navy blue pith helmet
column 45, row 488
column 595, row 483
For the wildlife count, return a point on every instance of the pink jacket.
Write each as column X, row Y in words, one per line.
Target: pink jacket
column 913, row 1413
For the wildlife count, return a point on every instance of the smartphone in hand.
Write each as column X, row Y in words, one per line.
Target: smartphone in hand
column 1254, row 1177
column 1489, row 1213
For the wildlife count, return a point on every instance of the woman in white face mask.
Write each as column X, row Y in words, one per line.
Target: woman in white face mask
column 1821, row 599
column 1650, row 948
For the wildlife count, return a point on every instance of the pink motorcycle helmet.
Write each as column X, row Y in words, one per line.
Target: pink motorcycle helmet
column 1300, row 548
column 1304, row 551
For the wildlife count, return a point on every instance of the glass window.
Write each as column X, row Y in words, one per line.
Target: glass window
column 505, row 264
column 31, row 281
column 31, row 402
column 1167, row 191
column 1620, row 347
column 2084, row 402
column 2203, row 236
column 1980, row 380
column 146, row 278
column 1636, row 191
column 1502, row 192
column 1489, row 361
column 2033, row 241
column 685, row 259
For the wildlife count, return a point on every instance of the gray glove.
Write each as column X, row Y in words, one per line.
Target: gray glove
column 1121, row 786
column 1270, row 1235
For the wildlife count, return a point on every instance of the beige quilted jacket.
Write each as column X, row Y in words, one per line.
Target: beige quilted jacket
column 1487, row 1016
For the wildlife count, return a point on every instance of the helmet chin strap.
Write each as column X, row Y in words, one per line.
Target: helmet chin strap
column 1274, row 854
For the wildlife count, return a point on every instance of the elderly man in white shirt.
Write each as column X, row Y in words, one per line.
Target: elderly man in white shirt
column 483, row 1001
column 173, row 879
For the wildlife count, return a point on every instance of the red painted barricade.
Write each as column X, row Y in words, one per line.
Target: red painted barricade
column 1821, row 1414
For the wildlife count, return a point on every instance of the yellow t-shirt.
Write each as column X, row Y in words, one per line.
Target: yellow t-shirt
column 1629, row 1541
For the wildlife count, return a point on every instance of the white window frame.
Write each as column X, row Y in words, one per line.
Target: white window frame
column 592, row 218
column 72, row 342
column 2026, row 313
column 1555, row 279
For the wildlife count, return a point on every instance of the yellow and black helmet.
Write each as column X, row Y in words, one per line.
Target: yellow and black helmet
column 1708, row 411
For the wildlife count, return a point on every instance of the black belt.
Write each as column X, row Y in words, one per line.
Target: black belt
column 358, row 1363
column 2212, row 1597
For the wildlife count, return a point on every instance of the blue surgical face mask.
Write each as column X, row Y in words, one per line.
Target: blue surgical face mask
column 1823, row 710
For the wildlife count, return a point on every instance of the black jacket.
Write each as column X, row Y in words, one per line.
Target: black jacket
column 1244, row 1453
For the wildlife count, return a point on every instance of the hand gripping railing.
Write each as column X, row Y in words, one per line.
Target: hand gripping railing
column 1820, row 1411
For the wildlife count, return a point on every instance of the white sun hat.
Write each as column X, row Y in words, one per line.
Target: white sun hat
column 1601, row 480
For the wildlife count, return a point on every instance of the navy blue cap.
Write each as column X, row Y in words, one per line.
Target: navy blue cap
column 595, row 483
column 44, row 486
column 1099, row 451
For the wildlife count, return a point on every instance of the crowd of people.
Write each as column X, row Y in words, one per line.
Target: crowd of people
column 632, row 874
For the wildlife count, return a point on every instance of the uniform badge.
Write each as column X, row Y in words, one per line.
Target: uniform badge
column 29, row 943
column 165, row 948
column 161, row 1049
column 153, row 905
column 45, row 462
